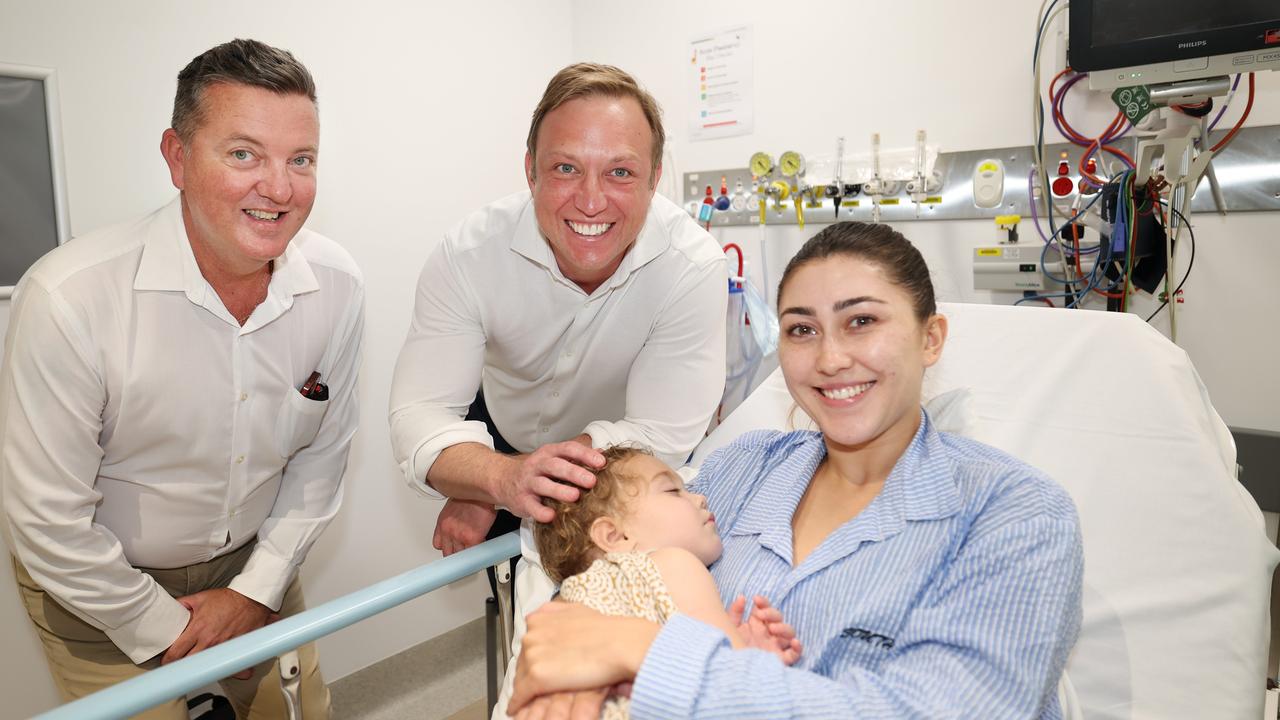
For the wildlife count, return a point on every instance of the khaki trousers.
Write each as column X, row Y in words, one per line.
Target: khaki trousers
column 83, row 660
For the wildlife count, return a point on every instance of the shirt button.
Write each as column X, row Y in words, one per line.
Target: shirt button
column 555, row 394
column 546, row 429
column 244, row 396
column 239, row 459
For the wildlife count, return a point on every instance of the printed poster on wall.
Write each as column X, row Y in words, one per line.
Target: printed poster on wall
column 721, row 77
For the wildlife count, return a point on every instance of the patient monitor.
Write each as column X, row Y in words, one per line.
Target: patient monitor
column 1122, row 43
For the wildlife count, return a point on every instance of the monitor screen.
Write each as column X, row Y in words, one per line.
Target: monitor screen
column 32, row 205
column 1159, row 41
column 1119, row 22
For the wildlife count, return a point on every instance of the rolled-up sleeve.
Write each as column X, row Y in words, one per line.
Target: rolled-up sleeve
column 311, row 483
column 438, row 372
column 990, row 641
column 678, row 377
column 50, row 421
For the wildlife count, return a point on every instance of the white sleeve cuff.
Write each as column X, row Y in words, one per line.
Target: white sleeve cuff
column 422, row 458
column 607, row 434
column 265, row 578
column 152, row 632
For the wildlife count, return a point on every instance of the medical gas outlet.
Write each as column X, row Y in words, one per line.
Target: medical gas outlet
column 792, row 166
column 838, row 190
column 974, row 184
column 924, row 182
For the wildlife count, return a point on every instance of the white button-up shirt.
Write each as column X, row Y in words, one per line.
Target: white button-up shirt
column 142, row 426
column 641, row 359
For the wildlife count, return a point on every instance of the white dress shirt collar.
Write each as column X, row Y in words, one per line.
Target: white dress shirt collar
column 169, row 265
column 529, row 242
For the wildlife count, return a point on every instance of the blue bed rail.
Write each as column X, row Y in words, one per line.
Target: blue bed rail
column 215, row 663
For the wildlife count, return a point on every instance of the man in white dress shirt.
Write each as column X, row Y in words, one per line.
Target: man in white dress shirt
column 176, row 399
column 583, row 313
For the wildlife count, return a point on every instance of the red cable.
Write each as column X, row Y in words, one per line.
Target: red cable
column 1115, row 125
column 1054, row 82
column 1075, row 137
column 1239, row 123
column 1057, row 100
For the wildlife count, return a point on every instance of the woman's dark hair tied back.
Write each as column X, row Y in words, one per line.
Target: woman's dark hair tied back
column 879, row 245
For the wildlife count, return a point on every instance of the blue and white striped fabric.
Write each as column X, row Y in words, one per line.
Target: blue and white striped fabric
column 954, row 594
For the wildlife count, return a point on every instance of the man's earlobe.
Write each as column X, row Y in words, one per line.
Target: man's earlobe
column 174, row 153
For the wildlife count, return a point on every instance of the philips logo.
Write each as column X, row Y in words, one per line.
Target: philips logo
column 1196, row 44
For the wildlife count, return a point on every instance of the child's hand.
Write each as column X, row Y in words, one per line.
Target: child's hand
column 764, row 629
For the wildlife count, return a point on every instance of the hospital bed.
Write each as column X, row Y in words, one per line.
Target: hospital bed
column 1177, row 565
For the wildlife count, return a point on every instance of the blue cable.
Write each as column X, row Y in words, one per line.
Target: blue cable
column 1120, row 230
column 1095, row 273
column 1053, row 239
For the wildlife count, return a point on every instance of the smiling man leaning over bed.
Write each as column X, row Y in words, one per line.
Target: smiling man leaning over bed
column 582, row 313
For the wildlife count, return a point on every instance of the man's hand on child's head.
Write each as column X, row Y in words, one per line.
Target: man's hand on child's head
column 763, row 629
column 556, row 471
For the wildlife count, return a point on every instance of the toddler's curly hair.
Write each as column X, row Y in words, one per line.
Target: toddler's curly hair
column 565, row 543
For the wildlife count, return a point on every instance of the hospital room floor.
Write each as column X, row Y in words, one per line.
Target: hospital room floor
column 441, row 679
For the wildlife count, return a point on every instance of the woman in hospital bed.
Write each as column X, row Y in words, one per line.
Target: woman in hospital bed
column 926, row 575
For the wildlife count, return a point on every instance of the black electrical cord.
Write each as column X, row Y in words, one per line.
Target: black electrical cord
column 1190, row 262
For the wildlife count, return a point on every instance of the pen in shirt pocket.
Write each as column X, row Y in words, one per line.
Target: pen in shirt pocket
column 313, row 389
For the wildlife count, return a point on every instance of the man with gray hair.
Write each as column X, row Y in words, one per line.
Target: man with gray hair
column 177, row 398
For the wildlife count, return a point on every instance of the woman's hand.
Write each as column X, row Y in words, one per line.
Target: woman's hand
column 568, row 646
column 576, row 705
column 763, row 629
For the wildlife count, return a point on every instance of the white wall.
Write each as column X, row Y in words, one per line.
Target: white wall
column 962, row 71
column 423, row 109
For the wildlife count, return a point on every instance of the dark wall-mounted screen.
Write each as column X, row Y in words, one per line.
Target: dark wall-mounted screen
column 28, row 207
column 1118, row 33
